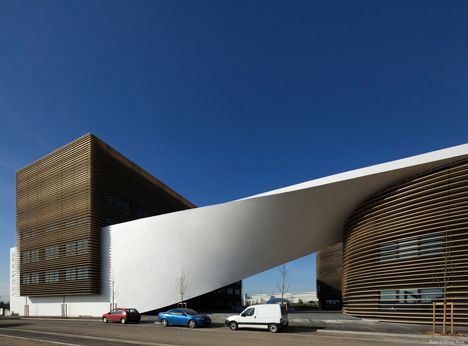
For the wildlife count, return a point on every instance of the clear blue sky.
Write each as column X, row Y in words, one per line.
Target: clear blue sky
column 222, row 100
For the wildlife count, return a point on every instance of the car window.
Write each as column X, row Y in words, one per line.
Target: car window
column 249, row 312
column 176, row 312
column 190, row 312
column 119, row 312
column 112, row 312
column 132, row 311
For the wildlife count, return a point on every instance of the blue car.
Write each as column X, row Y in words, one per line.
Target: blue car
column 183, row 317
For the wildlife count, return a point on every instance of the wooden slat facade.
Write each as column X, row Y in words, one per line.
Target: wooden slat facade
column 329, row 273
column 407, row 247
column 64, row 199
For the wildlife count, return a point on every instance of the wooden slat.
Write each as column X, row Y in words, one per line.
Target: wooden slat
column 409, row 238
column 69, row 195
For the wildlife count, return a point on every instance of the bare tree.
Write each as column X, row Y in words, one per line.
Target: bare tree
column 284, row 281
column 181, row 286
column 113, row 291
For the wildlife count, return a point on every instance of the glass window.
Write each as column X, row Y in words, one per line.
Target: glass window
column 431, row 247
column 230, row 290
column 389, row 251
column 70, row 274
column 389, row 297
column 51, row 276
column 421, row 246
column 70, row 249
column 81, row 247
column 409, row 296
column 82, row 273
column 249, row 312
column 428, row 295
column 34, row 255
column 34, row 278
column 408, row 249
column 51, row 252
column 26, row 279
column 26, row 257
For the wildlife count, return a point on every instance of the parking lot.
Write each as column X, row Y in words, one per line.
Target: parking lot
column 72, row 332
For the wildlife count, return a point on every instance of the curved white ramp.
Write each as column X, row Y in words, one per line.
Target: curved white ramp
column 217, row 245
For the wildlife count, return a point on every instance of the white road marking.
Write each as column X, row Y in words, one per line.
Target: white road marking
column 38, row 340
column 86, row 337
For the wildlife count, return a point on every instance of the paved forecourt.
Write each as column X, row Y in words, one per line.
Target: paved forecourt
column 63, row 332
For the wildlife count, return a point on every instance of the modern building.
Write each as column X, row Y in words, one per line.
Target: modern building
column 403, row 226
column 63, row 201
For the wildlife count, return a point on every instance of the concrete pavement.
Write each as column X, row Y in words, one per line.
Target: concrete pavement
column 95, row 332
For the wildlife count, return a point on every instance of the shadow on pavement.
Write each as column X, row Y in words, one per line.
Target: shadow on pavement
column 296, row 330
column 11, row 325
column 288, row 330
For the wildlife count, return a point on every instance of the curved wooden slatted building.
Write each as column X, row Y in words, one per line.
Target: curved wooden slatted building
column 407, row 247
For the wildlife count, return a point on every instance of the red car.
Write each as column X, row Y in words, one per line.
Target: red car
column 122, row 315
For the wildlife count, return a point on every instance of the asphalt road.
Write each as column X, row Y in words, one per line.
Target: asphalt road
column 61, row 332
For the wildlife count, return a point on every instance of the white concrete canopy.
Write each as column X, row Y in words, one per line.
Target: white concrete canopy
column 217, row 245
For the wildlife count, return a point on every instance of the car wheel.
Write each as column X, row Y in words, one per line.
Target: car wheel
column 273, row 328
column 192, row 324
column 233, row 325
column 104, row 320
column 164, row 322
column 123, row 321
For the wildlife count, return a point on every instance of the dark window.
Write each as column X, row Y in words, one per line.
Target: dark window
column 249, row 312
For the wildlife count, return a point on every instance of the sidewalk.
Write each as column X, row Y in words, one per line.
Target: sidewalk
column 336, row 322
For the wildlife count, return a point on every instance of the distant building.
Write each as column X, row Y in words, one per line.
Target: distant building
column 297, row 297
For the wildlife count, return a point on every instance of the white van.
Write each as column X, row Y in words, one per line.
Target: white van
column 265, row 316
